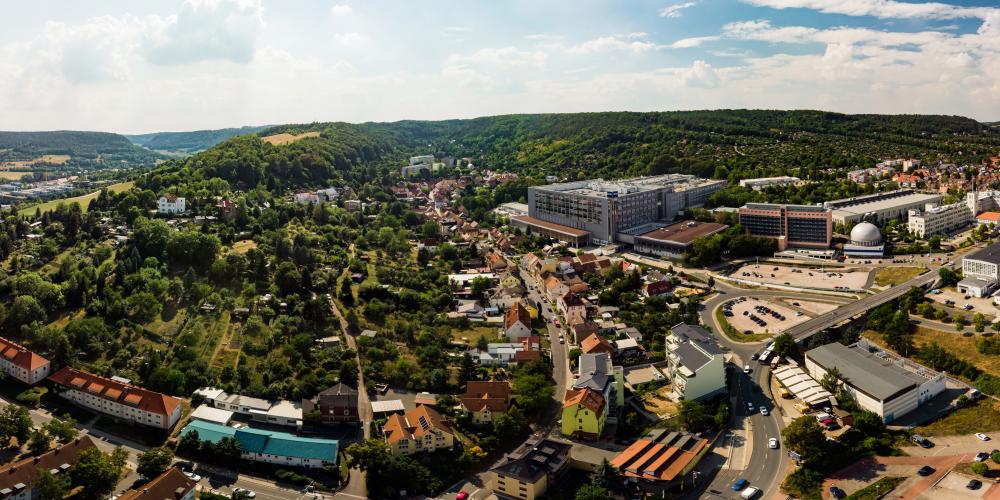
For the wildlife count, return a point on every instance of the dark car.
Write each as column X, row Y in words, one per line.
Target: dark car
column 982, row 456
column 974, row 484
column 922, row 441
column 837, row 493
column 925, row 470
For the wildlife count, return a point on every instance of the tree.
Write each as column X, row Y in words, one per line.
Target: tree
column 25, row 310
column 189, row 442
column 831, row 380
column 948, row 277
column 804, row 436
column 482, row 344
column 591, row 492
column 694, row 417
column 533, row 390
column 980, row 468
column 63, row 430
column 15, row 422
column 784, row 345
column 51, row 486
column 39, row 442
column 96, row 472
column 605, row 475
column 479, row 286
column 154, row 461
column 507, row 426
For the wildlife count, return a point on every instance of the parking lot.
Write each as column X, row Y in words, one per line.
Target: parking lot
column 852, row 279
column 952, row 486
column 980, row 305
column 772, row 316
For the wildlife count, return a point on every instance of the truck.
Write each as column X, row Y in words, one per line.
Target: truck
column 764, row 356
column 775, row 362
column 784, row 393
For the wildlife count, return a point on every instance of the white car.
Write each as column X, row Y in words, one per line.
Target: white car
column 772, row 443
column 248, row 493
column 746, row 369
column 763, row 411
column 194, row 477
column 982, row 437
column 749, row 493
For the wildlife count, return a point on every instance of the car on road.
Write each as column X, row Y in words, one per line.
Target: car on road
column 925, row 470
column 247, row 493
column 982, row 456
column 974, row 484
column 837, row 493
column 755, row 356
column 982, row 437
column 763, row 411
column 194, row 477
column 462, row 495
column 562, row 340
column 740, row 484
column 750, row 406
column 749, row 493
column 772, row 443
column 746, row 368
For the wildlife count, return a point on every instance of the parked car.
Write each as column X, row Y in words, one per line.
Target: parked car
column 740, row 484
column 763, row 411
column 462, row 495
column 982, row 437
column 974, row 484
column 746, row 369
column 837, row 493
column 248, row 493
column 194, row 477
column 982, row 456
column 750, row 406
column 925, row 470
column 921, row 441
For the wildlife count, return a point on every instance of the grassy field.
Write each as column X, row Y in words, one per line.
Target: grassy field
column 84, row 200
column 981, row 416
column 472, row 334
column 891, row 276
column 955, row 343
column 878, row 489
column 283, row 139
column 735, row 334
column 8, row 175
column 244, row 246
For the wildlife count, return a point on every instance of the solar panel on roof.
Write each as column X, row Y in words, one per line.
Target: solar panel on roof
column 423, row 423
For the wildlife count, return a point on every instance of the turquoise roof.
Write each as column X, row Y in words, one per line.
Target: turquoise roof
column 267, row 442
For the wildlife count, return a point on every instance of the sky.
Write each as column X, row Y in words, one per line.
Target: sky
column 132, row 67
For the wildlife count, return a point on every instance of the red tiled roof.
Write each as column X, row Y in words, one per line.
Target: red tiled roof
column 144, row 399
column 26, row 471
column 653, row 460
column 20, row 356
column 517, row 314
column 408, row 425
column 172, row 484
column 481, row 395
column 596, row 343
column 989, row 216
column 586, row 397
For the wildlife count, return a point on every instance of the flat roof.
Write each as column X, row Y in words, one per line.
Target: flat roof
column 388, row 406
column 877, row 378
column 989, row 254
column 888, row 203
column 559, row 228
column 210, row 414
column 684, row 233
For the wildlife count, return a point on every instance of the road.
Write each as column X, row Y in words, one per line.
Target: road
column 356, row 487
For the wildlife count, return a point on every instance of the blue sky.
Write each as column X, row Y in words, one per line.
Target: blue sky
column 130, row 66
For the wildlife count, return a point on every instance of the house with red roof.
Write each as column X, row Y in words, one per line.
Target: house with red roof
column 595, row 343
column 484, row 399
column 517, row 322
column 22, row 364
column 117, row 399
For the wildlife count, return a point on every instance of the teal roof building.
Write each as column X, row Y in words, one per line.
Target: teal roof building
column 270, row 446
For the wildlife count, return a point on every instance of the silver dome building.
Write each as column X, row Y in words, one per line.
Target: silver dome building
column 866, row 242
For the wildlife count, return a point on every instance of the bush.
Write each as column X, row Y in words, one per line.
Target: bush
column 292, row 477
column 980, row 468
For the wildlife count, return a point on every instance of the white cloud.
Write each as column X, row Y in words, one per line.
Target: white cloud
column 352, row 40
column 632, row 42
column 884, row 9
column 206, row 30
column 687, row 43
column 340, row 10
column 701, row 74
column 674, row 11
column 504, row 58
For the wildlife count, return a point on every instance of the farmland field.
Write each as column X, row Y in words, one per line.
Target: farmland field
column 285, row 138
column 82, row 200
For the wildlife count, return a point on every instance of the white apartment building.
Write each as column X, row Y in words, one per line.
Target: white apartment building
column 695, row 363
column 22, row 364
column 117, row 399
column 763, row 182
column 981, row 270
column 273, row 412
column 170, row 204
column 938, row 219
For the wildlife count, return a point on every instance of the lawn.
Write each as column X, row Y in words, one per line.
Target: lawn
column 878, row 489
column 891, row 276
column 244, row 246
column 169, row 323
column 981, row 416
column 735, row 334
column 471, row 335
column 955, row 343
column 84, row 200
column 286, row 138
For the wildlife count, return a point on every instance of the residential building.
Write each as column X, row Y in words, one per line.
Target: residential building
column 657, row 289
column 20, row 363
column 881, row 383
column 987, row 218
column 763, row 182
column 879, row 207
column 662, row 456
column 270, row 447
column 938, row 219
column 571, row 305
column 585, row 411
column 790, row 225
column 417, row 164
column 695, row 363
column 595, row 343
column 170, row 204
column 19, row 480
column 602, row 209
column 530, row 470
column 171, row 485
column 420, row 429
column 336, row 405
column 517, row 322
column 981, row 270
column 676, row 240
column 278, row 412
column 484, row 399
column 117, row 399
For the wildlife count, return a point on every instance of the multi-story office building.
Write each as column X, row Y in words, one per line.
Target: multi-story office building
column 791, row 225
column 880, row 207
column 981, row 270
column 117, row 399
column 605, row 208
column 935, row 220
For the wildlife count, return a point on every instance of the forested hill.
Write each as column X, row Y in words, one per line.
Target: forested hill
column 84, row 148
column 579, row 145
column 189, row 142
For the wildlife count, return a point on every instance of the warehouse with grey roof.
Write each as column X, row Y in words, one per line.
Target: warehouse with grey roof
column 880, row 382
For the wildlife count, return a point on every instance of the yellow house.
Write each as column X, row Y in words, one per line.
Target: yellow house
column 484, row 400
column 510, row 281
column 420, row 429
column 532, row 469
column 584, row 413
